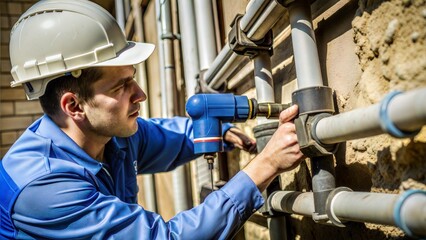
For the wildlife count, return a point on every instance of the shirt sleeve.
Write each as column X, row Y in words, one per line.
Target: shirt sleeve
column 162, row 144
column 65, row 206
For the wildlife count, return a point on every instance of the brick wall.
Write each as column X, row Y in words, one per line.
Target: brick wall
column 16, row 112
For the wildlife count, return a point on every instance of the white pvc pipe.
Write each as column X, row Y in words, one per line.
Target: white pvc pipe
column 189, row 45
column 293, row 202
column 253, row 10
column 306, row 58
column 205, row 32
column 369, row 207
column 406, row 110
column 261, row 23
column 119, row 13
column 266, row 20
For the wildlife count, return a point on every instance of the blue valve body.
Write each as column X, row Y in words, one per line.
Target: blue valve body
column 208, row 112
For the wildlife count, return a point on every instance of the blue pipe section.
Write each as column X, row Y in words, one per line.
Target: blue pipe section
column 208, row 112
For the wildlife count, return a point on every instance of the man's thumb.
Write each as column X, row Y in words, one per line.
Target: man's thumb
column 288, row 114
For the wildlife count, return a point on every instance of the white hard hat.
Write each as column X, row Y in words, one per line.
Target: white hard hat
column 56, row 37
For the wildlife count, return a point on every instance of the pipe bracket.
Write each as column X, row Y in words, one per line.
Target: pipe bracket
column 398, row 207
column 386, row 123
column 242, row 45
column 314, row 103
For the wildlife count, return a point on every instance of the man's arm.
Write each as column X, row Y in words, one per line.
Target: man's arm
column 67, row 206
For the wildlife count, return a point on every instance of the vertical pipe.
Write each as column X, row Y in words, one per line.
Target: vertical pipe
column 189, row 45
column 263, row 78
column 168, row 69
column 191, row 69
column 205, row 32
column 308, row 69
column 265, row 93
column 148, row 179
column 119, row 13
column 309, row 75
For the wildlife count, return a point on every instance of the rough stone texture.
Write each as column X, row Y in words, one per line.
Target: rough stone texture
column 390, row 48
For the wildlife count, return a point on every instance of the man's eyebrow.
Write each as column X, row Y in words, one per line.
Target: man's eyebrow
column 121, row 82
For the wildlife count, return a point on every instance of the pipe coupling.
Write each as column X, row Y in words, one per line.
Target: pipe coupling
column 315, row 103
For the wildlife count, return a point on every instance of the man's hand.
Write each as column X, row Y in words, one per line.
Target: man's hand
column 240, row 140
column 282, row 153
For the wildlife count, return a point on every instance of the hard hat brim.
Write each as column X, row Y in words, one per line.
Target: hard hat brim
column 133, row 53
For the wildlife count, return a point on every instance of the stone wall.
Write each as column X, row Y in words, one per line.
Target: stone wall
column 366, row 49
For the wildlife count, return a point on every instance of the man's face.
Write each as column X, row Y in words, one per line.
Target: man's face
column 115, row 105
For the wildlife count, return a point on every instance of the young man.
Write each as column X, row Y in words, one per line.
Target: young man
column 72, row 173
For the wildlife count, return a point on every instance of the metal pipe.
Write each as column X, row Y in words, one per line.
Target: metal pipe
column 148, row 179
column 308, row 69
column 166, row 36
column 407, row 111
column 205, row 32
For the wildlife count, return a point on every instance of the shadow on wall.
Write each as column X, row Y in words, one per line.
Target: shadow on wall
column 400, row 169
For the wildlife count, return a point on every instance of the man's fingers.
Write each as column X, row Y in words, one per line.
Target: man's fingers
column 288, row 114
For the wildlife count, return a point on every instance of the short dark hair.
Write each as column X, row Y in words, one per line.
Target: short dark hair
column 81, row 86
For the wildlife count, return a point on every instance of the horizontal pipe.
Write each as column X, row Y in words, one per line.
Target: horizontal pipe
column 227, row 60
column 406, row 211
column 406, row 110
column 293, row 202
column 364, row 207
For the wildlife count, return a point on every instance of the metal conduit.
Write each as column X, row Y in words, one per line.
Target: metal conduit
column 407, row 111
column 181, row 202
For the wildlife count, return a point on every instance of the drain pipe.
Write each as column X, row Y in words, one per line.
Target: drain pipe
column 313, row 100
column 191, row 68
column 263, row 132
column 205, row 32
column 166, row 55
column 406, row 211
column 148, row 179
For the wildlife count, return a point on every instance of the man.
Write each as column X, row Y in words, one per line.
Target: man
column 72, row 173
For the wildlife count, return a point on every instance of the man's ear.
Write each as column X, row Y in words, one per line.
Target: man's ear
column 71, row 106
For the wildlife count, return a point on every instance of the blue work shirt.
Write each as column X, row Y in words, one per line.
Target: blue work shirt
column 51, row 189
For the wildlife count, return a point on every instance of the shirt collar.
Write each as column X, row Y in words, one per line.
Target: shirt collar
column 50, row 130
